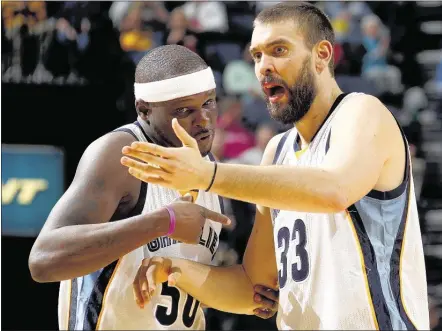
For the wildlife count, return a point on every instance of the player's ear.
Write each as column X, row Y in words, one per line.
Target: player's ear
column 323, row 53
column 143, row 109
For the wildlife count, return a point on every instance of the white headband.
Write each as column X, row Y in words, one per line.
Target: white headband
column 177, row 87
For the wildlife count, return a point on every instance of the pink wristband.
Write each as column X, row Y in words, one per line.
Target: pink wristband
column 172, row 221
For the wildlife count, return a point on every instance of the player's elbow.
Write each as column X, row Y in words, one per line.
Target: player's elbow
column 40, row 266
column 37, row 268
column 336, row 200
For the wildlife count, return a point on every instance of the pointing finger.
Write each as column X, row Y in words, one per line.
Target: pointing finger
column 216, row 217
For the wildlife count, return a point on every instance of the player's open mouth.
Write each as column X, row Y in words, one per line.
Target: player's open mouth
column 273, row 91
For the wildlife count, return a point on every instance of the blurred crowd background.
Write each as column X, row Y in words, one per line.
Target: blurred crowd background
column 67, row 78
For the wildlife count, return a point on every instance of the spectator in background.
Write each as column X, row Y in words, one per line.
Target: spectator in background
column 75, row 43
column 239, row 76
column 71, row 44
column 218, row 144
column 239, row 80
column 206, row 16
column 253, row 155
column 135, row 37
column 141, row 25
column 178, row 31
column 375, row 68
column 237, row 138
column 153, row 13
column 21, row 26
column 346, row 18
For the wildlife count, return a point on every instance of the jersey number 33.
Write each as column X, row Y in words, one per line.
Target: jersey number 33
column 297, row 237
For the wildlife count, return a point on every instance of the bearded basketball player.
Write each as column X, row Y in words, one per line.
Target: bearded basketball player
column 336, row 191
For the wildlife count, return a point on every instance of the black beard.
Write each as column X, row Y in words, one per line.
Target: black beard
column 300, row 98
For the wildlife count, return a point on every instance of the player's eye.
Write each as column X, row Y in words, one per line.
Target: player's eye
column 279, row 50
column 182, row 111
column 210, row 102
column 256, row 56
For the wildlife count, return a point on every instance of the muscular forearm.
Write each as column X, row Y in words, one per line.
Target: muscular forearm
column 77, row 250
column 280, row 187
column 223, row 288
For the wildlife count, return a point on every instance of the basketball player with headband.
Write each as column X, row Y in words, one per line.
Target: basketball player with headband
column 107, row 221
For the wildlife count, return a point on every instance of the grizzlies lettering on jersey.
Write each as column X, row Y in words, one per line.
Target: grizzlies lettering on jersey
column 362, row 268
column 104, row 300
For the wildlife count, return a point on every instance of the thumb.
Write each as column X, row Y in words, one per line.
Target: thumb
column 173, row 278
column 216, row 217
column 182, row 135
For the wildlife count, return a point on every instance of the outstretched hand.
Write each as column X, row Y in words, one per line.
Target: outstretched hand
column 180, row 168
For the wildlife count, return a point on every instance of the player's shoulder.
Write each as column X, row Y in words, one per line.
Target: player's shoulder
column 106, row 150
column 271, row 148
column 362, row 104
column 110, row 142
column 362, row 107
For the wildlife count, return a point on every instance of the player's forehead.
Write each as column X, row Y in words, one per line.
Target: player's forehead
column 198, row 98
column 267, row 34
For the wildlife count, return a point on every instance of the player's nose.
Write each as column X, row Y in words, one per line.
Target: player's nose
column 265, row 66
column 202, row 118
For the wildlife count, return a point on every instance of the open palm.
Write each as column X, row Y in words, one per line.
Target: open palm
column 181, row 168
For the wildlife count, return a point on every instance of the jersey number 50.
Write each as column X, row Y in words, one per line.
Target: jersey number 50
column 300, row 268
column 168, row 319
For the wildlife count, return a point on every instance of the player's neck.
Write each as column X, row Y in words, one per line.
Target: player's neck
column 309, row 125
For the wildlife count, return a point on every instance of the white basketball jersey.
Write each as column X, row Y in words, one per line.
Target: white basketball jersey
column 360, row 269
column 104, row 300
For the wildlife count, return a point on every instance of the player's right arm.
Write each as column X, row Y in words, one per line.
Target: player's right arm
column 78, row 238
column 231, row 289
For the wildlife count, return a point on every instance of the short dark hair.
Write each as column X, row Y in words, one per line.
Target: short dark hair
column 166, row 62
column 312, row 22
